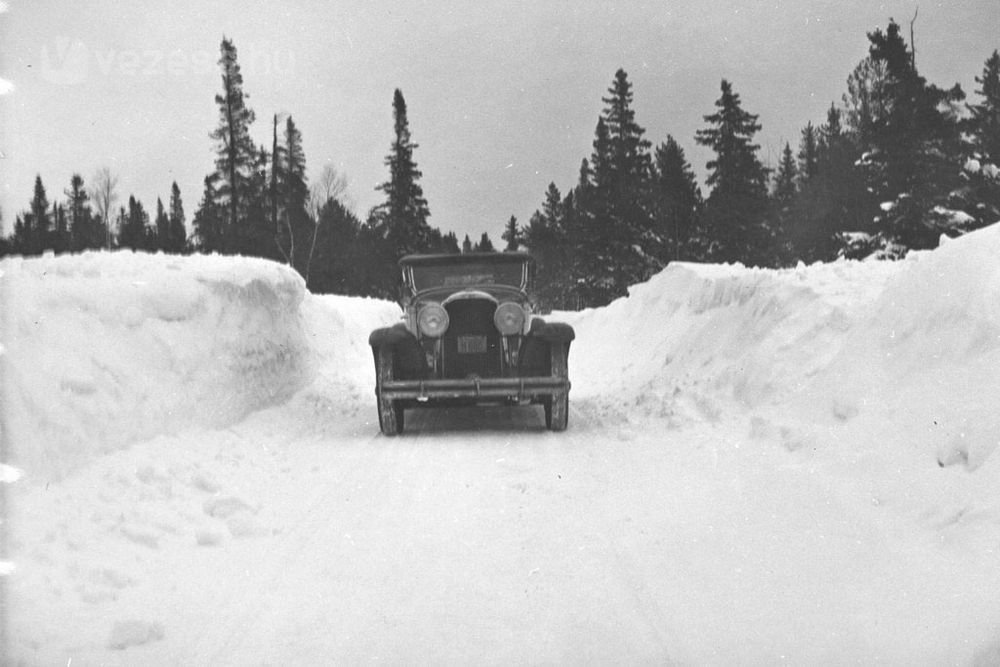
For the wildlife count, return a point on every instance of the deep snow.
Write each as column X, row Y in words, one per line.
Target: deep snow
column 761, row 466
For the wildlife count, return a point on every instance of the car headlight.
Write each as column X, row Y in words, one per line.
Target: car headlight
column 432, row 320
column 509, row 319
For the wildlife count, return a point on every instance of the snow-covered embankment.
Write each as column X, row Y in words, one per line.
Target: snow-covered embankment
column 102, row 350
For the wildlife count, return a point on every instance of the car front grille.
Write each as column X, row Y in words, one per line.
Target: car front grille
column 472, row 343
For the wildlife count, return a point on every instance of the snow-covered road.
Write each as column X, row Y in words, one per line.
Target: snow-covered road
column 739, row 484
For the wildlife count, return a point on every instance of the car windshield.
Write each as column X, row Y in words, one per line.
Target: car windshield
column 468, row 274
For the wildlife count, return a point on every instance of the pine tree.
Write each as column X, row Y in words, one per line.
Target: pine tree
column 449, row 244
column 176, row 232
column 466, row 244
column 787, row 176
column 134, row 232
column 236, row 154
column 677, row 198
column 85, row 231
column 162, row 227
column 209, row 220
column 402, row 219
column 60, row 239
column 512, row 235
column 734, row 211
column 485, row 244
column 36, row 224
column 910, row 148
column 985, row 120
column 630, row 219
column 808, row 153
column 979, row 197
column 834, row 205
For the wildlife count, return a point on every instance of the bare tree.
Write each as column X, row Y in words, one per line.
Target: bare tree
column 103, row 191
column 331, row 184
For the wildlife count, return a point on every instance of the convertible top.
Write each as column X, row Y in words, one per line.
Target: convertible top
column 446, row 259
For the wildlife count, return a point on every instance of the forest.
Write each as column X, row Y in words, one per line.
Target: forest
column 895, row 164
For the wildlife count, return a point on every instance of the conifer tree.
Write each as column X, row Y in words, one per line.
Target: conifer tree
column 980, row 196
column 162, row 226
column 176, row 231
column 32, row 237
column 402, row 219
column 59, row 239
column 512, row 235
column 630, row 219
column 808, row 153
column 834, row 205
column 734, row 211
column 236, row 154
column 467, row 244
column 985, row 121
column 209, row 222
column 83, row 228
column 677, row 197
column 910, row 148
column 134, row 233
column 786, row 177
column 485, row 244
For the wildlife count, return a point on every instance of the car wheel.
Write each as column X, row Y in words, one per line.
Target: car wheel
column 557, row 406
column 390, row 412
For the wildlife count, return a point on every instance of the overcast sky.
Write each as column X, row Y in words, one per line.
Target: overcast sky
column 503, row 97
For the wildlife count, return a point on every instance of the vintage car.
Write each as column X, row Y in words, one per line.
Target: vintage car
column 469, row 336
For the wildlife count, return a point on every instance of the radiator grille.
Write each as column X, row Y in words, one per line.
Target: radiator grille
column 472, row 343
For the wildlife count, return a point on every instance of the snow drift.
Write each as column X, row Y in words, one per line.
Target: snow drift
column 106, row 349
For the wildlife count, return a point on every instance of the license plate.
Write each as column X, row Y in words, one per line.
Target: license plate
column 471, row 344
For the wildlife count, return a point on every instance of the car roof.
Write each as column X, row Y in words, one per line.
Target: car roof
column 445, row 259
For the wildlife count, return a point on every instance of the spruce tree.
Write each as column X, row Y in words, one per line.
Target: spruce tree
column 467, row 244
column 402, row 219
column 134, row 232
column 236, row 154
column 83, row 228
column 786, row 177
column 162, row 227
column 831, row 214
column 485, row 244
column 209, row 220
column 808, row 153
column 910, row 148
column 176, row 231
column 630, row 219
column 60, row 239
column 985, row 121
column 734, row 211
column 980, row 196
column 512, row 235
column 676, row 197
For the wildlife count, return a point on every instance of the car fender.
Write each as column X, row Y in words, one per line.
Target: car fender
column 409, row 361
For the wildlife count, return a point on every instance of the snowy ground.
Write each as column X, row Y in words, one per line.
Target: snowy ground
column 762, row 466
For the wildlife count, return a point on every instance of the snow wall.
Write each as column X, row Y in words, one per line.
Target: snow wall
column 105, row 349
column 842, row 352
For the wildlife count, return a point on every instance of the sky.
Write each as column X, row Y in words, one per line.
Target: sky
column 502, row 97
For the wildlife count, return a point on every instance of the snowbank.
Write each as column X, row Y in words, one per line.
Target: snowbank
column 912, row 346
column 105, row 349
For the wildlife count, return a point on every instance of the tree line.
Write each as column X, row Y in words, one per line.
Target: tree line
column 894, row 165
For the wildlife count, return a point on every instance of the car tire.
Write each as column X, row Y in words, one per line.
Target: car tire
column 556, row 406
column 390, row 412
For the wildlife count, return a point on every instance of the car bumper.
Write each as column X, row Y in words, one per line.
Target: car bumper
column 520, row 388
